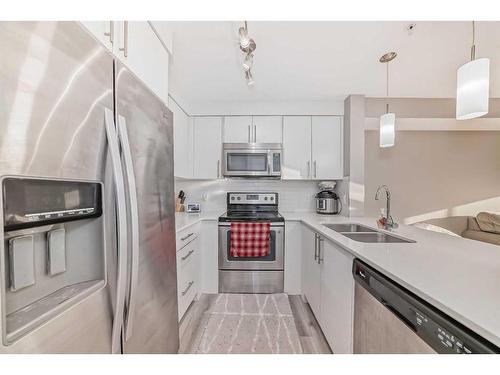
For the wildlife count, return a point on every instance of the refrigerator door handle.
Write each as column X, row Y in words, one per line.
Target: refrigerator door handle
column 134, row 224
column 122, row 231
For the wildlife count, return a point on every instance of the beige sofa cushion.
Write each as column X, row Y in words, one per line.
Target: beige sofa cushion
column 489, row 222
column 479, row 235
column 455, row 224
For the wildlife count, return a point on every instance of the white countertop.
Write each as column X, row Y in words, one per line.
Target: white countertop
column 184, row 220
column 460, row 277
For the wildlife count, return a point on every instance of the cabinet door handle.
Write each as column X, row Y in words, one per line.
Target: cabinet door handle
column 315, row 169
column 185, row 238
column 255, row 134
column 111, row 33
column 320, row 258
column 187, row 255
column 187, row 289
column 315, row 246
column 218, row 168
column 249, row 136
column 308, row 169
column 125, row 39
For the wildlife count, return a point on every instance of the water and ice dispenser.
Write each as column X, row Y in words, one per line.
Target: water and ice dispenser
column 53, row 249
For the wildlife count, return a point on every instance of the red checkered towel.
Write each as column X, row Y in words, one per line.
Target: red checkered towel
column 250, row 239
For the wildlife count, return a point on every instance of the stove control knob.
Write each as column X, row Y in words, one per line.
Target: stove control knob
column 232, row 198
column 239, row 198
column 265, row 198
column 272, row 198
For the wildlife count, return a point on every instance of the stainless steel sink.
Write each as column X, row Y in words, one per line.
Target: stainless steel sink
column 349, row 228
column 362, row 233
column 376, row 237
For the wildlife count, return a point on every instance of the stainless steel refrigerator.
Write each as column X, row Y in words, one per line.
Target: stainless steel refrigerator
column 87, row 254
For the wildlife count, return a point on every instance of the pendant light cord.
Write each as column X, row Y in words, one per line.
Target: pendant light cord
column 387, row 86
column 473, row 48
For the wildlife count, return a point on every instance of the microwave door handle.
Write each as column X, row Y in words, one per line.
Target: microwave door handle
column 134, row 225
column 121, row 213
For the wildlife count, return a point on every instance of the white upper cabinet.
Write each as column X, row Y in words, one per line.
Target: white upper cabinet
column 327, row 147
column 268, row 129
column 253, row 129
column 102, row 30
column 337, row 297
column 139, row 48
column 296, row 147
column 238, row 129
column 207, row 147
column 183, row 145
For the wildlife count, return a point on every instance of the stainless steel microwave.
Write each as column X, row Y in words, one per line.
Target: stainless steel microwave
column 252, row 159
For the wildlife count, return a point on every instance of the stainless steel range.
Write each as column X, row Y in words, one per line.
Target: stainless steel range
column 252, row 274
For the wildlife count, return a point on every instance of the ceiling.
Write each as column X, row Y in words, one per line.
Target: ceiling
column 321, row 61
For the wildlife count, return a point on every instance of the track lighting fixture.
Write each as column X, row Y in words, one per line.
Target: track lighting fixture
column 249, row 78
column 248, row 62
column 248, row 46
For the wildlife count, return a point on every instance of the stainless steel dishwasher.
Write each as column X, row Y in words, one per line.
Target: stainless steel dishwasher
column 390, row 319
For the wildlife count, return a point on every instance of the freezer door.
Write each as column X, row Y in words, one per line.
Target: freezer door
column 151, row 308
column 56, row 82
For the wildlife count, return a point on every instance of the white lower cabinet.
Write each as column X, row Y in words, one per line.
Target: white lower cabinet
column 328, row 286
column 337, row 297
column 197, row 263
column 293, row 258
column 311, row 271
column 210, row 257
column 188, row 266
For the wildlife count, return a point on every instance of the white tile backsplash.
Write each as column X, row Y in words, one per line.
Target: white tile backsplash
column 211, row 194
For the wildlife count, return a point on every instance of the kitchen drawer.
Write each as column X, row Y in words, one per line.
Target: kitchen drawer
column 187, row 276
column 187, row 235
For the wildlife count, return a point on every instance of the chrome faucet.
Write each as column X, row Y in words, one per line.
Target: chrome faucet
column 389, row 222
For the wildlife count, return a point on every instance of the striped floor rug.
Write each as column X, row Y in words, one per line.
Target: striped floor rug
column 249, row 323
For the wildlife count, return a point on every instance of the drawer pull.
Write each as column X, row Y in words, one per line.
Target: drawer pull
column 187, row 255
column 185, row 238
column 188, row 287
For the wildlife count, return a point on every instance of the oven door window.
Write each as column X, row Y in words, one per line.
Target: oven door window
column 245, row 162
column 269, row 258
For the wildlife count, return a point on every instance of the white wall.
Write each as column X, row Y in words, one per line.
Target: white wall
column 293, row 195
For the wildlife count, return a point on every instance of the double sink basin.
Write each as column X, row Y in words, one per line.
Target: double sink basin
column 361, row 233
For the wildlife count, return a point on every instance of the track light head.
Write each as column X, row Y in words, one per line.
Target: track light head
column 247, row 62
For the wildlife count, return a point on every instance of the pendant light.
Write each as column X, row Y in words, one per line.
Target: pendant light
column 473, row 85
column 388, row 120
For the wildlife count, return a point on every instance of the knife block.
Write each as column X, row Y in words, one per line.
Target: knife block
column 179, row 207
